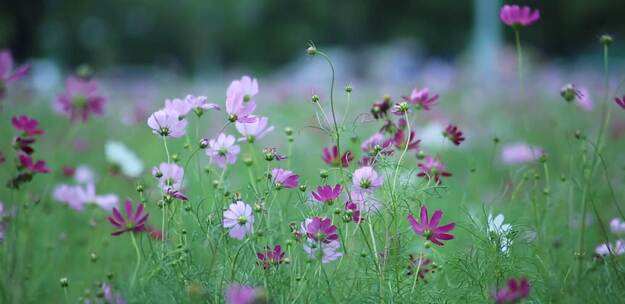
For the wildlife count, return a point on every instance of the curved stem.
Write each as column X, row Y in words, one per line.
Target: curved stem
column 134, row 243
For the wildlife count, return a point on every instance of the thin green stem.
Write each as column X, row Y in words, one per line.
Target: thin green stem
column 519, row 51
column 134, row 243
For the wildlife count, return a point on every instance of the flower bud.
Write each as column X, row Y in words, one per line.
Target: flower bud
column 302, row 188
column 64, row 282
column 348, row 88
column 606, row 39
column 158, row 174
column 324, row 173
column 94, row 257
column 203, row 143
column 248, row 161
column 311, row 50
column 139, row 188
column 187, row 207
column 175, row 158
column 288, row 131
column 315, row 98
column 337, row 211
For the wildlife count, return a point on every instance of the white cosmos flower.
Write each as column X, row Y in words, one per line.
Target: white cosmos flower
column 497, row 227
column 118, row 154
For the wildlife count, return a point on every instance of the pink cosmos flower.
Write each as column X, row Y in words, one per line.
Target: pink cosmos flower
column 516, row 16
column 520, row 153
column 77, row 196
column 353, row 211
column 607, row 248
column 111, row 297
column 191, row 103
column 328, row 251
column 239, row 219
column 7, row 74
column 271, row 257
column 421, row 264
column 584, row 101
column 29, row 126
column 284, row 178
column 133, row 222
column 222, row 150
column 421, row 98
column 180, row 106
column 454, row 134
column 239, row 100
column 513, row 292
column 81, row 99
column 240, row 294
column 369, row 144
column 331, row 157
column 253, row 130
column 327, row 194
column 617, row 225
column 400, row 141
column 321, row 230
column 433, row 168
column 620, row 101
column 28, row 163
column 169, row 176
column 84, row 175
column 429, row 227
column 167, row 123
column 366, row 179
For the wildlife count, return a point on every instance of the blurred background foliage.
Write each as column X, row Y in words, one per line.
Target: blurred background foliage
column 191, row 36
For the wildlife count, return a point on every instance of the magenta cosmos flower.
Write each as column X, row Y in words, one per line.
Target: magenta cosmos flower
column 513, row 292
column 239, row 220
column 421, row 98
column 620, row 101
column 239, row 100
column 240, row 294
column 169, row 176
column 401, row 141
column 133, row 222
column 80, row 99
column 353, row 211
column 29, row 126
column 331, row 157
column 284, row 178
column 28, row 163
column 516, row 16
column 271, row 257
column 433, row 168
column 429, row 227
column 327, row 194
column 166, row 123
column 366, row 179
column 253, row 130
column 7, row 74
column 520, row 153
column 222, row 150
column 454, row 134
column 321, row 230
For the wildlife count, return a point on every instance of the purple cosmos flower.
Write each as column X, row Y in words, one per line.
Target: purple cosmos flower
column 376, row 141
column 429, row 227
column 327, row 194
column 421, row 98
column 29, row 126
column 239, row 219
column 253, row 130
column 607, row 248
column 169, row 176
column 173, row 193
column 380, row 109
column 111, row 297
column 180, row 106
column 284, row 178
column 329, row 251
column 331, row 157
column 167, row 123
column 366, row 179
column 239, row 102
column 513, row 292
column 272, row 153
column 454, row 134
column 222, row 150
column 433, row 168
column 200, row 103
column 134, row 221
column 80, row 99
column 240, row 294
column 270, row 257
column 84, row 175
column 7, row 74
column 321, row 230
column 620, row 102
column 520, row 153
column 76, row 197
column 516, row 16
column 400, row 141
column 617, row 225
column 353, row 211
column 28, row 163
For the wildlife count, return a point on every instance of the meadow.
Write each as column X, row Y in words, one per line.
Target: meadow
column 192, row 192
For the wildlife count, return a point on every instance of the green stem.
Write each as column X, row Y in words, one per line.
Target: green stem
column 519, row 51
column 134, row 243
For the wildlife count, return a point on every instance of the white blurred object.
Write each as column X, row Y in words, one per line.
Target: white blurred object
column 118, row 154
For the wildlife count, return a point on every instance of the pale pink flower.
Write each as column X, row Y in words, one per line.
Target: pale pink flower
column 169, row 176
column 253, row 130
column 223, row 150
column 167, row 123
column 239, row 219
column 520, row 153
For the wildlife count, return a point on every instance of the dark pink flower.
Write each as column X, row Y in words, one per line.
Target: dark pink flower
column 515, row 16
column 321, row 230
column 433, row 168
column 177, row 194
column 39, row 166
column 513, row 292
column 155, row 234
column 134, row 221
column 29, row 126
column 24, row 144
column 68, row 171
column 353, row 211
column 284, row 178
column 7, row 74
column 420, row 265
column 429, row 227
column 331, row 157
column 620, row 102
column 379, row 109
column 421, row 98
column 454, row 134
column 270, row 257
column 81, row 99
column 326, row 193
column 400, row 141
